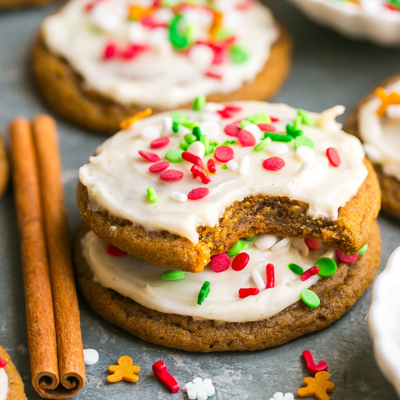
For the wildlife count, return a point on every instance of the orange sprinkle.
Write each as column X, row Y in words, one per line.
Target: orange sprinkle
column 125, row 370
column 126, row 123
column 137, row 12
column 216, row 24
column 388, row 99
column 317, row 387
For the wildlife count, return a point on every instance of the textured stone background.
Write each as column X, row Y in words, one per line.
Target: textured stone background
column 327, row 70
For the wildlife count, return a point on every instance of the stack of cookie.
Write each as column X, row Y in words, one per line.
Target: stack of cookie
column 227, row 227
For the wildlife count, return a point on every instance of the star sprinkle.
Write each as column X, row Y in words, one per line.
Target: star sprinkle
column 123, row 371
column 200, row 389
column 387, row 99
column 281, row 396
column 317, row 387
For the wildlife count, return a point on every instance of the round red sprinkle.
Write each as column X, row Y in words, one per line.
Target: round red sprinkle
column 197, row 194
column 114, row 251
column 333, row 156
column 267, row 128
column 220, row 262
column 312, row 244
column 346, row 259
column 240, row 261
column 159, row 167
column 147, row 155
column 171, row 175
column 110, row 51
column 161, row 142
column 211, row 166
column 273, row 164
column 3, row 363
column 232, row 129
column 246, row 138
column 223, row 154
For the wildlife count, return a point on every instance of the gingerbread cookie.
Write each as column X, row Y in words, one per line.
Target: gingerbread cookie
column 4, row 167
column 11, row 385
column 98, row 62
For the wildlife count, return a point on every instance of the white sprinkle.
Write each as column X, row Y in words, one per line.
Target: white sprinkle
column 278, row 148
column 213, row 107
column 259, row 281
column 304, row 167
column 305, row 154
column 197, row 148
column 150, row 132
column 254, row 130
column 167, row 125
column 280, row 396
column 179, row 196
column 300, row 245
column 265, row 241
column 212, row 129
column 372, row 152
column 107, row 16
column 136, row 33
column 244, row 165
column 90, row 356
column 199, row 389
column 202, row 56
column 233, row 165
column 280, row 245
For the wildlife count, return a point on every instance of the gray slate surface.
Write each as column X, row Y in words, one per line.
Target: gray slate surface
column 327, row 70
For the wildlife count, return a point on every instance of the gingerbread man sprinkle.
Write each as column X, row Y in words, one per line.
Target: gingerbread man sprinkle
column 123, row 371
column 317, row 387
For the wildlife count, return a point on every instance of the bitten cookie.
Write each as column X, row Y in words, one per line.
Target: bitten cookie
column 97, row 63
column 176, row 189
column 11, row 385
column 4, row 167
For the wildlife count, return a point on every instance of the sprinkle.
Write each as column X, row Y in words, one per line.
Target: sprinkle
column 273, row 164
column 270, row 275
column 240, row 261
column 346, row 259
column 173, row 275
column 266, row 128
column 244, row 123
column 250, row 239
column 114, row 251
column 90, row 356
column 229, row 143
column 175, row 127
column 313, row 368
column 327, row 267
column 363, row 250
column 204, row 292
column 201, row 173
column 171, row 175
column 190, row 125
column 159, row 167
column 184, row 145
column 293, row 132
column 264, row 143
column 274, row 119
column 237, row 248
column 159, row 143
column 246, row 292
column 202, row 56
column 317, row 387
column 309, row 273
column 310, row 298
column 305, row 154
column 152, row 195
column 205, row 141
column 160, row 372
column 178, row 196
column 149, row 132
column 281, row 244
column 306, row 118
column 297, row 123
column 177, row 40
column 220, row 262
column 265, row 241
column 199, row 103
column 312, row 243
column 199, row 389
column 246, row 139
column 224, row 166
column 190, row 138
column 244, row 165
column 303, row 141
column 167, row 125
column 211, row 129
column 277, row 137
column 197, row 194
column 174, row 155
column 233, row 165
column 304, row 167
column 211, row 166
column 333, row 156
column 123, row 371
column 224, row 154
column 110, row 51
column 278, row 148
column 126, row 123
column 386, row 100
column 178, row 116
column 281, row 396
column 238, row 54
column 214, row 75
column 197, row 149
column 295, row 268
column 261, row 118
column 259, row 281
column 3, row 362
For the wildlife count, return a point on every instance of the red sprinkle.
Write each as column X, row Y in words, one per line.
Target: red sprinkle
column 159, row 167
column 333, row 156
column 273, row 164
column 232, row 108
column 192, row 158
column 224, row 154
column 312, row 243
column 274, row 119
column 225, row 114
column 160, row 372
column 147, row 155
column 246, row 138
column 232, row 129
column 220, row 262
column 309, row 273
column 213, row 75
column 243, row 293
column 313, row 368
column 3, row 363
column 267, row 128
column 240, row 261
column 346, row 259
column 197, row 194
column 211, row 166
column 201, row 173
column 171, row 175
column 114, row 251
column 161, row 142
column 149, row 22
column 110, row 51
column 270, row 271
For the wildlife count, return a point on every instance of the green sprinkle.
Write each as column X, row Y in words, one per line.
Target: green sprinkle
column 197, row 132
column 295, row 268
column 238, row 54
column 223, row 166
column 206, row 142
column 177, row 40
column 172, row 275
column 178, row 117
column 199, row 103
column 276, row 137
column 229, row 143
column 175, row 155
column 237, row 248
column 214, row 144
column 224, row 33
column 327, row 267
column 190, row 138
column 250, row 239
column 310, row 298
column 244, row 123
column 189, row 124
column 261, row 118
column 303, row 141
column 292, row 131
column 297, row 122
column 204, row 292
column 175, row 127
column 184, row 145
column 263, row 144
column 152, row 195
column 363, row 250
column 306, row 118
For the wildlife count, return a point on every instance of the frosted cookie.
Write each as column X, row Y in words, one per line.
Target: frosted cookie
column 177, row 188
column 98, row 62
column 376, row 121
column 11, row 385
column 4, row 167
column 375, row 20
column 246, row 307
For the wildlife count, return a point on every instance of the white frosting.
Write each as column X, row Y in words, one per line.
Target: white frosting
column 117, row 178
column 160, row 76
column 381, row 136
column 141, row 281
column 3, row 384
column 369, row 7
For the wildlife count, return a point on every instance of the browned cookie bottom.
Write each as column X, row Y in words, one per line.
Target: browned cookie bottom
column 4, row 167
column 15, row 384
column 337, row 293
